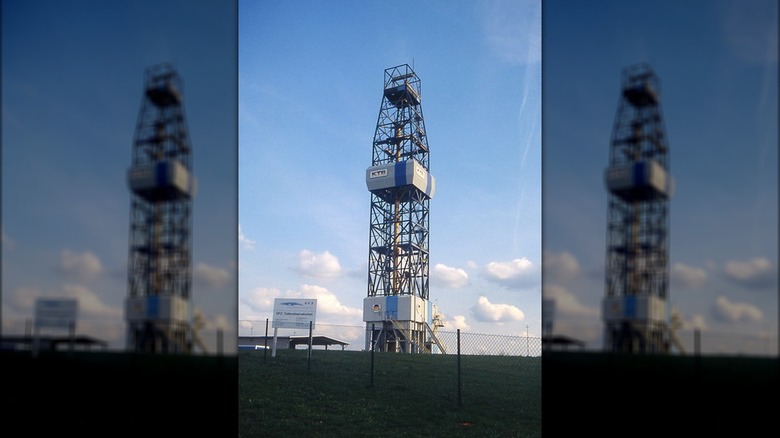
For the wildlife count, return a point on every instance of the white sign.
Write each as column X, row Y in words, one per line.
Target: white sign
column 56, row 313
column 294, row 313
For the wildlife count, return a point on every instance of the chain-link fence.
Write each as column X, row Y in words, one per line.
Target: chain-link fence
column 710, row 342
column 19, row 334
column 588, row 336
column 357, row 338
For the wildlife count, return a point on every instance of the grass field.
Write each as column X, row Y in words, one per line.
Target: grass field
column 118, row 394
column 333, row 395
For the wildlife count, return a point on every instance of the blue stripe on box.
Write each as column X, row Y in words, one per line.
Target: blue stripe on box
column 640, row 177
column 400, row 173
column 629, row 307
column 152, row 306
column 162, row 178
column 392, row 307
column 429, row 185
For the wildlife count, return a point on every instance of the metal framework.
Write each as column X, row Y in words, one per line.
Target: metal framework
column 398, row 255
column 639, row 187
column 401, row 188
column 159, row 267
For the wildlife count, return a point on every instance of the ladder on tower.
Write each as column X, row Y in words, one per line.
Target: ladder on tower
column 405, row 335
column 674, row 325
column 198, row 323
column 401, row 333
column 435, row 339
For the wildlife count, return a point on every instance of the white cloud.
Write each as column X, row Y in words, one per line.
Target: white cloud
column 728, row 311
column 211, row 276
column 486, row 311
column 695, row 322
column 244, row 241
column 517, row 274
column 327, row 302
column 321, row 266
column 450, row 277
column 261, row 299
column 90, row 303
column 455, row 323
column 757, row 273
column 79, row 266
column 452, row 323
column 566, row 304
column 745, row 270
column 559, row 266
column 688, row 277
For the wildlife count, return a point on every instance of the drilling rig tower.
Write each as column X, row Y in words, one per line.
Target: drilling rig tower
column 157, row 309
column 635, row 309
column 397, row 310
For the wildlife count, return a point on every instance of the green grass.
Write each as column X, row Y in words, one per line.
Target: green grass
column 334, row 395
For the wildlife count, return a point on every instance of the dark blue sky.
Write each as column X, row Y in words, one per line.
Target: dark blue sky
column 717, row 63
column 73, row 77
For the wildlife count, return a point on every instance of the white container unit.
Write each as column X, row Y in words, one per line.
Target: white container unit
column 165, row 179
column 157, row 308
column 398, row 174
column 397, row 307
column 631, row 307
column 639, row 180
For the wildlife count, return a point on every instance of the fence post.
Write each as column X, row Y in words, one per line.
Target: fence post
column 459, row 385
column 372, row 356
column 527, row 345
column 308, row 365
column 265, row 341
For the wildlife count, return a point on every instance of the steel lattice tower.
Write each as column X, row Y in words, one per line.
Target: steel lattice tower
column 160, row 179
column 639, row 185
column 401, row 189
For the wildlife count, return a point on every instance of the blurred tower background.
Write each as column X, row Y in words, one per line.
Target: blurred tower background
column 397, row 310
column 635, row 310
column 158, row 309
